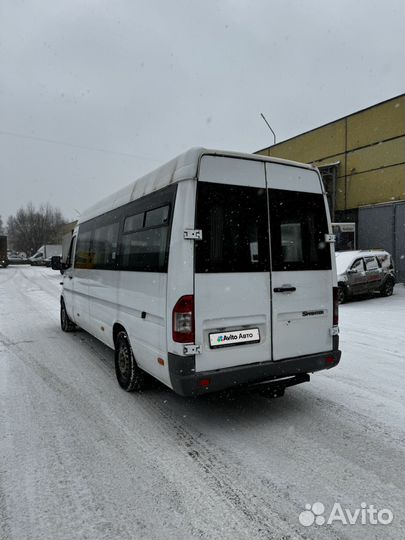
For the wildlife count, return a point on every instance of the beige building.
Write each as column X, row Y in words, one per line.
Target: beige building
column 361, row 158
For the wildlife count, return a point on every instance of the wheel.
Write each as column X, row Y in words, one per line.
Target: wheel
column 388, row 288
column 65, row 323
column 130, row 377
column 342, row 295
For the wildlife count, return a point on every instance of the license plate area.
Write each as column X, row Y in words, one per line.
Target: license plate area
column 219, row 340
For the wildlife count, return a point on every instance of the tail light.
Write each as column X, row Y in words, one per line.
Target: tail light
column 335, row 307
column 183, row 320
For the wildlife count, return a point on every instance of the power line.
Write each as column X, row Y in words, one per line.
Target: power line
column 72, row 145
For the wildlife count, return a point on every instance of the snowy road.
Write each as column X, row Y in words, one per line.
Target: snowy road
column 80, row 458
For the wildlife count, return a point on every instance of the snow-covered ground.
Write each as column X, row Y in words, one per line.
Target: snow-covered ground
column 80, row 458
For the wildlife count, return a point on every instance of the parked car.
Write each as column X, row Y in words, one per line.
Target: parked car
column 364, row 272
column 15, row 258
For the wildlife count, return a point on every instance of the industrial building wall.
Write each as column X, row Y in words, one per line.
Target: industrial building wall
column 383, row 226
column 370, row 148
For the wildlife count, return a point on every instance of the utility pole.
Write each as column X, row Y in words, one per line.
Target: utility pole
column 269, row 126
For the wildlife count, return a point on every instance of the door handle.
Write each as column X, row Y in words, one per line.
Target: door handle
column 70, row 277
column 287, row 288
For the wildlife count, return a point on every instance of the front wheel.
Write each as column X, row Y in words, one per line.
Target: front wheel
column 388, row 288
column 130, row 377
column 65, row 323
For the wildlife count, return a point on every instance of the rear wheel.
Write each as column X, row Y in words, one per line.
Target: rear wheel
column 65, row 323
column 388, row 288
column 342, row 295
column 130, row 377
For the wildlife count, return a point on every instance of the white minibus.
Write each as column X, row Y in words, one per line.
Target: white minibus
column 214, row 271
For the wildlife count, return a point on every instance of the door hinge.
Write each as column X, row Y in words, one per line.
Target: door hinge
column 193, row 234
column 334, row 331
column 191, row 349
column 330, row 238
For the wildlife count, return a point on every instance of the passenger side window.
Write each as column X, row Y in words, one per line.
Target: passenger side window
column 104, row 246
column 83, row 257
column 69, row 260
column 146, row 249
column 133, row 223
column 157, row 217
column 358, row 265
column 371, row 263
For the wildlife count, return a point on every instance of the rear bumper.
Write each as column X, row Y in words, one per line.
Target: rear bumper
column 185, row 381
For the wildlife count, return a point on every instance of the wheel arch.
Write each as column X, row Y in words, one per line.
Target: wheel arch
column 117, row 328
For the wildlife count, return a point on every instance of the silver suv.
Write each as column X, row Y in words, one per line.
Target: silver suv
column 364, row 272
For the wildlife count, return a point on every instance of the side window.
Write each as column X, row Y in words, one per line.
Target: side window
column 145, row 249
column 69, row 260
column 358, row 265
column 104, row 246
column 371, row 263
column 157, row 217
column 83, row 256
column 133, row 223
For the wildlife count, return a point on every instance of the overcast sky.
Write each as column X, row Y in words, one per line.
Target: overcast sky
column 122, row 86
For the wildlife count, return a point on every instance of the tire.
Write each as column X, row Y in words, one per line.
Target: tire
column 130, row 377
column 65, row 323
column 388, row 288
column 342, row 295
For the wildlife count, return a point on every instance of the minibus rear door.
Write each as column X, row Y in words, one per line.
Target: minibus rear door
column 232, row 264
column 302, row 282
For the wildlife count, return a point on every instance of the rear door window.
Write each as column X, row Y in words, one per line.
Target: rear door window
column 298, row 225
column 235, row 229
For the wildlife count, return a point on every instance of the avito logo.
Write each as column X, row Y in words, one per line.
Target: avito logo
column 366, row 514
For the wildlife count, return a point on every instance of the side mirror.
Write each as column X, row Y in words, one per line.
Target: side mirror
column 352, row 271
column 56, row 263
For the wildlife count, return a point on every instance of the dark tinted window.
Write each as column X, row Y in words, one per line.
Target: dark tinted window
column 298, row 226
column 157, row 216
column 235, row 231
column 69, row 260
column 134, row 236
column 145, row 250
column 132, row 223
column 83, row 257
column 104, row 246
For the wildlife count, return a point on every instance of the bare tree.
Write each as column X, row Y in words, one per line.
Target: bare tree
column 30, row 228
column 1, row 226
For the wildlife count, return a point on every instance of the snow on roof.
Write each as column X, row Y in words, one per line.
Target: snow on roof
column 183, row 167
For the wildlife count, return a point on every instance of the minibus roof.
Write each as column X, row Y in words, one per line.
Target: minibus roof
column 183, row 167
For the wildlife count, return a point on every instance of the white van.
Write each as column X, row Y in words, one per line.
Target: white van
column 213, row 271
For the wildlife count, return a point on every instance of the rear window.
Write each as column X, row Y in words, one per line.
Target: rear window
column 234, row 224
column 298, row 226
column 235, row 230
